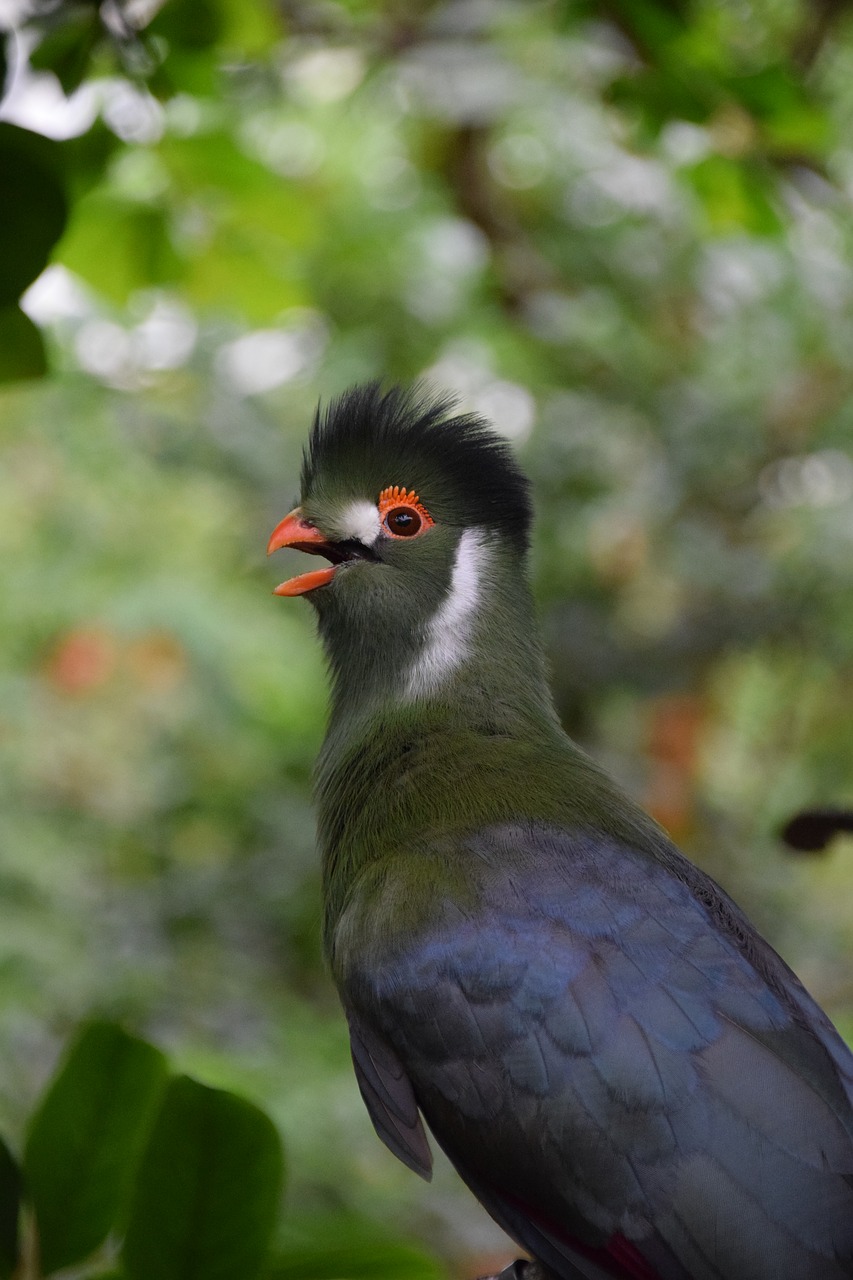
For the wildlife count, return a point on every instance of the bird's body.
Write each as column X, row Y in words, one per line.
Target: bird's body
column 628, row 1077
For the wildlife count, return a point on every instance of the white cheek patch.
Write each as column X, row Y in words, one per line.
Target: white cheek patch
column 360, row 521
column 449, row 630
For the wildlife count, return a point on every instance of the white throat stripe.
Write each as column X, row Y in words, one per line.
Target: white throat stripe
column 449, row 631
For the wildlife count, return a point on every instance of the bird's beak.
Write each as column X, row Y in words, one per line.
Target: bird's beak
column 297, row 532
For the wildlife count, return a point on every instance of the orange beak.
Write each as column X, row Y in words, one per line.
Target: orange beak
column 297, row 532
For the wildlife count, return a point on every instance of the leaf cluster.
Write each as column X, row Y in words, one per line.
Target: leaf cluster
column 131, row 1172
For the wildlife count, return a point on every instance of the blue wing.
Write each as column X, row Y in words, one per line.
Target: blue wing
column 627, row 1075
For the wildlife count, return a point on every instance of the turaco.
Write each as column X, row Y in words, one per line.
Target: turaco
column 623, row 1071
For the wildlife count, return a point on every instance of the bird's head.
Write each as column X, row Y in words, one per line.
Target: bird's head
column 422, row 515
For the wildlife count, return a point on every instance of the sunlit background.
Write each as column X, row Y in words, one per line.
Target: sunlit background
column 621, row 232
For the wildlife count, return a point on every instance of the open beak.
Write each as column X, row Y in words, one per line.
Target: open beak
column 297, row 532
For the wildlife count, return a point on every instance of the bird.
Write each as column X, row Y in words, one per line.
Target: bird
column 628, row 1077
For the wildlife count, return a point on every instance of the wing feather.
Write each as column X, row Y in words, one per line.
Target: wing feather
column 389, row 1098
column 609, row 1053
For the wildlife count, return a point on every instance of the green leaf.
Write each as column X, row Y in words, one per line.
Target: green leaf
column 734, row 195
column 189, row 24
column 343, row 1247
column 33, row 210
column 67, row 47
column 208, row 1189
column 86, row 158
column 22, row 353
column 86, row 1138
column 789, row 119
column 118, row 246
column 651, row 25
column 10, row 1206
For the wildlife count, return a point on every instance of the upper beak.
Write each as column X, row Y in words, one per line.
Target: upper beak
column 297, row 532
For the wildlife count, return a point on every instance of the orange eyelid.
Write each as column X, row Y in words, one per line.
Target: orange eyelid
column 394, row 496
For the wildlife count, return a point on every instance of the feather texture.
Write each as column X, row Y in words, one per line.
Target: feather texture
column 389, row 1098
column 603, row 1062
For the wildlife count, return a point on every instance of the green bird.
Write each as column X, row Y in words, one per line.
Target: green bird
column 624, row 1072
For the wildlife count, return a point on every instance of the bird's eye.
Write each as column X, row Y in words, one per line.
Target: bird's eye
column 403, row 522
column 402, row 513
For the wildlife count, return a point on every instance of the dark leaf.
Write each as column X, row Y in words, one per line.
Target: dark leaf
column 650, row 25
column 86, row 1138
column 33, row 210
column 189, row 25
column 10, row 1204
column 67, row 47
column 22, row 353
column 87, row 157
column 665, row 94
column 208, row 1189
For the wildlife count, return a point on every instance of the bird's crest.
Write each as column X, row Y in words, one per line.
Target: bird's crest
column 456, row 467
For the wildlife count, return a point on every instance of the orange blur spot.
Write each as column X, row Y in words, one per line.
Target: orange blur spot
column 83, row 659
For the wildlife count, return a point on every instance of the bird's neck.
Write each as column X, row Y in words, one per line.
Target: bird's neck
column 476, row 660
column 440, row 731
column 424, row 742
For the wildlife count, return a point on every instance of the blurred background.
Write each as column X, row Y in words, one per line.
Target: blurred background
column 621, row 230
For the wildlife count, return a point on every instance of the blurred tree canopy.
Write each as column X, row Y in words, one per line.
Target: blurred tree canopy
column 621, row 229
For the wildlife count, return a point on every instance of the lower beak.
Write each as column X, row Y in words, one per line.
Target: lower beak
column 297, row 532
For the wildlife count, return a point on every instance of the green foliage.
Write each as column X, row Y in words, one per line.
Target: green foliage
column 207, row 1195
column 85, row 1140
column 129, row 1175
column 32, row 218
column 10, row 1209
column 71, row 34
column 22, row 353
column 33, row 215
column 328, row 1247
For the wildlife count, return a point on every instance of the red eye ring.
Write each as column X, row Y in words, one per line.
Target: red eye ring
column 402, row 512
